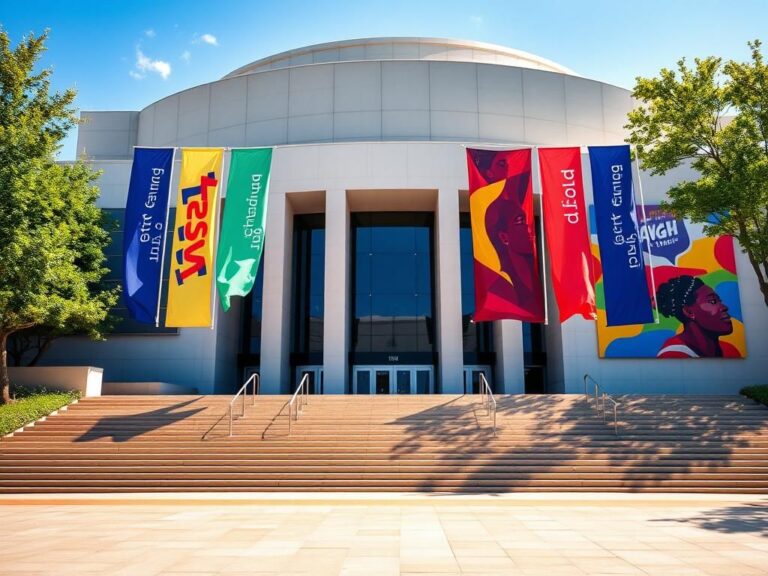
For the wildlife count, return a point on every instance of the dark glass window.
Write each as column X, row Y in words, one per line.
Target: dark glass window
column 308, row 288
column 393, row 283
column 534, row 343
column 252, row 313
column 114, row 254
column 477, row 338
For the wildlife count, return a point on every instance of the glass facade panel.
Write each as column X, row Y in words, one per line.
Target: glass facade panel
column 393, row 283
column 253, row 309
column 308, row 288
column 477, row 338
column 113, row 221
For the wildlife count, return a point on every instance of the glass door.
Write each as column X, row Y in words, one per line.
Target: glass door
column 392, row 380
column 383, row 380
column 403, row 380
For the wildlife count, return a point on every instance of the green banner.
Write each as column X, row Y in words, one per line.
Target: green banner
column 242, row 229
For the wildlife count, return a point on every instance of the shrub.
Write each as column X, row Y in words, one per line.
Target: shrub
column 30, row 405
column 757, row 393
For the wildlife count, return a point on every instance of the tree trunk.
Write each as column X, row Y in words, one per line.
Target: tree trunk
column 764, row 284
column 763, row 281
column 43, row 343
column 5, row 382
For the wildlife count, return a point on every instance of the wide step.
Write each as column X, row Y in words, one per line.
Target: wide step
column 398, row 443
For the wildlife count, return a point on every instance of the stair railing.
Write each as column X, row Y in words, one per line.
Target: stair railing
column 255, row 379
column 487, row 399
column 601, row 396
column 299, row 399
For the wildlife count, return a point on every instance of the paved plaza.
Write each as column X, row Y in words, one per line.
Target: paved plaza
column 380, row 535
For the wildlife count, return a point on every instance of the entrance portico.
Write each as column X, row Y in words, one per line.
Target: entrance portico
column 357, row 183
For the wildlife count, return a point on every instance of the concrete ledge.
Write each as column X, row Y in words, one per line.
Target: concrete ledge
column 146, row 388
column 558, row 499
column 85, row 379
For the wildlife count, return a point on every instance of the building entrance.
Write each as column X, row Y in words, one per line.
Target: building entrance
column 393, row 379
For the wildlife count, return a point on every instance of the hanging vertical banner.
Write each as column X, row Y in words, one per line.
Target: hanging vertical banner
column 146, row 220
column 190, row 284
column 627, row 299
column 567, row 236
column 507, row 281
column 242, row 229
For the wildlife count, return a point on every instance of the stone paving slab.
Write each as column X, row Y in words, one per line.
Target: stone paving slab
column 382, row 535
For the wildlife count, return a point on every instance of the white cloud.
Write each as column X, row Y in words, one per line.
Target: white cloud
column 145, row 64
column 476, row 20
column 209, row 39
column 186, row 55
column 150, row 33
column 135, row 75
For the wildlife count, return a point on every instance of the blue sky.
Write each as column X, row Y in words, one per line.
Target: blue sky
column 124, row 55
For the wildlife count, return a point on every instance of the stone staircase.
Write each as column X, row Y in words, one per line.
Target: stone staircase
column 431, row 443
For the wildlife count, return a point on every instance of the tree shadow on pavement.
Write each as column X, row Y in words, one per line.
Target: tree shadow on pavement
column 744, row 518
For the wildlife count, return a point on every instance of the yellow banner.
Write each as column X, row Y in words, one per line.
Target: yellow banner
column 192, row 270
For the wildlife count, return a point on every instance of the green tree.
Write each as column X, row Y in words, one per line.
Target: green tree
column 51, row 232
column 715, row 117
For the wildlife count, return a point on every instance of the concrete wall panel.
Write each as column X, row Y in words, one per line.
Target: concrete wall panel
column 228, row 103
column 544, row 96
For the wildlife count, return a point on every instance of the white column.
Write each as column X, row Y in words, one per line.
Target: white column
column 510, row 362
column 336, row 319
column 276, row 314
column 448, row 260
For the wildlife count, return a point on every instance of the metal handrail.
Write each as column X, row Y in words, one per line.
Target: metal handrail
column 302, row 393
column 256, row 379
column 488, row 399
column 600, row 393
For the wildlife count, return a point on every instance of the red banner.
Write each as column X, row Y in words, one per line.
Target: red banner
column 565, row 221
column 507, row 281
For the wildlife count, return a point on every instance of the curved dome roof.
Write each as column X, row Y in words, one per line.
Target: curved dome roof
column 441, row 49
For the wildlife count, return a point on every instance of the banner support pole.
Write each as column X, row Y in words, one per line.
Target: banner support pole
column 225, row 161
column 165, row 239
column 647, row 238
column 537, row 184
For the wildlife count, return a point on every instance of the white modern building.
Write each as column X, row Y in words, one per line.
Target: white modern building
column 367, row 276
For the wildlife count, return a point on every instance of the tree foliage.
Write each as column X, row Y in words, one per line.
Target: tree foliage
column 52, row 237
column 715, row 117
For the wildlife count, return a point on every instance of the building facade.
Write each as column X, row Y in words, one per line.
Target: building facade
column 366, row 280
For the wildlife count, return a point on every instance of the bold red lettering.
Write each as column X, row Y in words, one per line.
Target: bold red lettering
column 194, row 231
column 197, row 261
column 197, row 210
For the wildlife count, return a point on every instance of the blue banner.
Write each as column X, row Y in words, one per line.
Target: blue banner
column 146, row 220
column 627, row 300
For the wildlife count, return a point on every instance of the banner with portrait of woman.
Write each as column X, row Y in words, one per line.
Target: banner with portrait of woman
column 507, row 281
column 696, row 295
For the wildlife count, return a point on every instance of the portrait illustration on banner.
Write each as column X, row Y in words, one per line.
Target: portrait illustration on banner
column 507, row 282
column 696, row 295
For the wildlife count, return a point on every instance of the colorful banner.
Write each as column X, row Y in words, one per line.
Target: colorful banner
column 507, row 282
column 565, row 221
column 697, row 295
column 189, row 288
column 242, row 228
column 146, row 220
column 627, row 299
